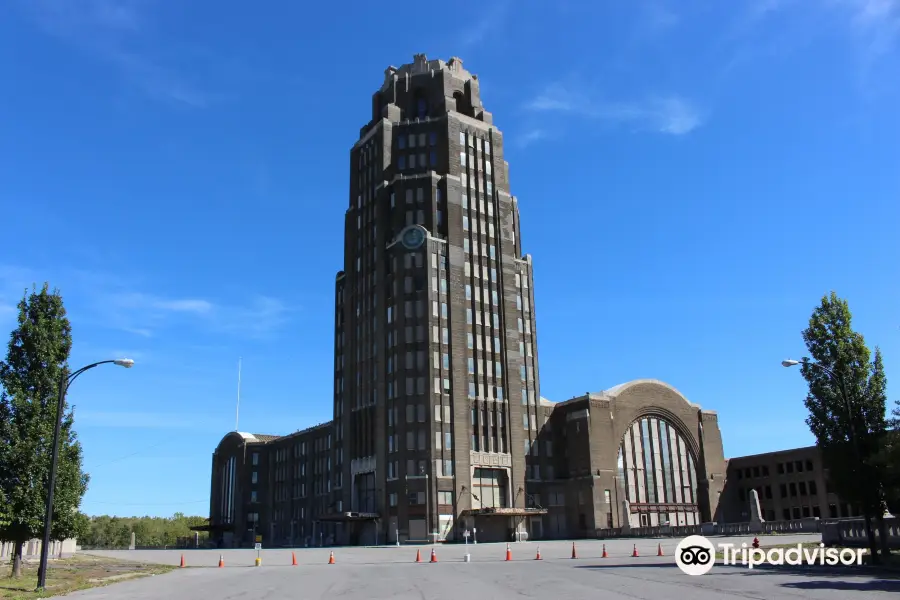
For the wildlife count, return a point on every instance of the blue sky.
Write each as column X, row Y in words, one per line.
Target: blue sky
column 693, row 176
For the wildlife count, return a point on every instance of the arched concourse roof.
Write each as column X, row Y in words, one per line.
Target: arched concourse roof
column 618, row 390
column 249, row 437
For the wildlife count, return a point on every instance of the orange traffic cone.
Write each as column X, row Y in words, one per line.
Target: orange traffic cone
column 221, row 561
column 293, row 559
column 659, row 551
column 418, row 556
column 604, row 555
column 433, row 556
column 634, row 553
column 508, row 553
column 182, row 561
column 331, row 558
column 573, row 551
column 538, row 557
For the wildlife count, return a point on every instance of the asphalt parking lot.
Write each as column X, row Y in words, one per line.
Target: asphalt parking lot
column 391, row 572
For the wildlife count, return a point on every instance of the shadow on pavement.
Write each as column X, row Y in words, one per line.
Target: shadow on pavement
column 864, row 575
column 647, row 565
column 869, row 585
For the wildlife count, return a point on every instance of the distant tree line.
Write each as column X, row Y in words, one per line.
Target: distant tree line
column 150, row 532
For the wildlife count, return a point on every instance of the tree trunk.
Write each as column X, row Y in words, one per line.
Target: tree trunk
column 17, row 559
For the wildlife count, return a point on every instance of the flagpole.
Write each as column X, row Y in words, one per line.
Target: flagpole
column 237, row 410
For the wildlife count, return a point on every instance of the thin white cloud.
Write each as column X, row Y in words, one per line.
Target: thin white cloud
column 138, row 420
column 156, row 304
column 656, row 18
column 877, row 23
column 491, row 20
column 263, row 317
column 530, row 137
column 101, row 299
column 111, row 30
column 145, row 314
column 14, row 281
column 671, row 115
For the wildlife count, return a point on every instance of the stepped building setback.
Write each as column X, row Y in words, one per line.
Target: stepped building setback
column 439, row 427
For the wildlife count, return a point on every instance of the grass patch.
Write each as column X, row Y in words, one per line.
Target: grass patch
column 78, row 572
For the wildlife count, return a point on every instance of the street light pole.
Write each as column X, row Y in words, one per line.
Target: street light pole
column 848, row 406
column 64, row 384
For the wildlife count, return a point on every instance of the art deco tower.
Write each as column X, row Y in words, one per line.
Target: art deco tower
column 436, row 366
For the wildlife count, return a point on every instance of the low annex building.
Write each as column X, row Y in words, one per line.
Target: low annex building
column 638, row 454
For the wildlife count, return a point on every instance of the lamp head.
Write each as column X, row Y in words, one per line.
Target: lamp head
column 789, row 363
column 124, row 362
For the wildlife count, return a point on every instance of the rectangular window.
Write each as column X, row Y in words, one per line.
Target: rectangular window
column 448, row 441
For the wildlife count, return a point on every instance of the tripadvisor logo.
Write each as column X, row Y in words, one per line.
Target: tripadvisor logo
column 696, row 555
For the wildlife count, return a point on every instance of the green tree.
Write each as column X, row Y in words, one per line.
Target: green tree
column 890, row 460
column 847, row 416
column 36, row 362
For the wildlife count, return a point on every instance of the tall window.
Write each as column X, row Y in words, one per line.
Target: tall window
column 657, row 466
column 421, row 108
column 489, row 487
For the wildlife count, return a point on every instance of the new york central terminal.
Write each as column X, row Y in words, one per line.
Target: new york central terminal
column 439, row 426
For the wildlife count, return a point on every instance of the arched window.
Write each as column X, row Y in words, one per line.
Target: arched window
column 420, row 103
column 421, row 108
column 657, row 467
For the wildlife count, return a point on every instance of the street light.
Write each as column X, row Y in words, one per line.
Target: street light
column 852, row 432
column 64, row 384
